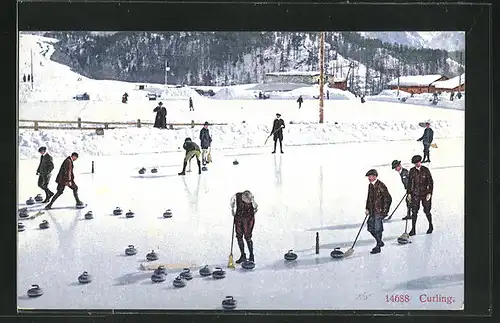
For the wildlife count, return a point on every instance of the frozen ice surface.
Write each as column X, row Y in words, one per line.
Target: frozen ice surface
column 306, row 190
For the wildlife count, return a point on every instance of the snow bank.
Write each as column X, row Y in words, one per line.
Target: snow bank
column 424, row 99
column 310, row 92
column 415, row 80
column 231, row 93
column 60, row 143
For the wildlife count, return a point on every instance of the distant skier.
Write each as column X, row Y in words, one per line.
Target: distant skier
column 277, row 131
column 403, row 172
column 420, row 189
column 192, row 150
column 243, row 209
column 161, row 116
column 427, row 139
column 191, row 107
column 378, row 203
column 44, row 172
column 299, row 101
column 64, row 178
column 206, row 141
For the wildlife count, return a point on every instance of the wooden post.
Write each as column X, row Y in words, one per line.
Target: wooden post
column 36, row 125
column 321, row 73
column 106, row 126
column 192, row 123
column 138, row 123
column 92, row 167
column 79, row 122
column 317, row 243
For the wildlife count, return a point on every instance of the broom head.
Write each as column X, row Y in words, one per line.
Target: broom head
column 230, row 263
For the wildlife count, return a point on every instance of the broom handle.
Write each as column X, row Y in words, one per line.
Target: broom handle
column 362, row 224
column 232, row 238
column 398, row 205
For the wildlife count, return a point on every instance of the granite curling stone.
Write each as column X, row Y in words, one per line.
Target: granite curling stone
column 229, row 303
column 152, row 256
column 20, row 227
column 142, row 171
column 218, row 273
column 179, row 282
column 117, row 211
column 38, row 198
column 129, row 214
column 44, row 225
column 205, row 271
column 186, row 274
column 84, row 278
column 35, row 291
column 403, row 240
column 23, row 213
column 167, row 214
column 154, row 171
column 235, row 162
column 130, row 251
column 248, row 265
column 157, row 277
column 290, row 255
column 204, row 168
column 30, row 201
column 161, row 270
column 336, row 253
column 89, row 215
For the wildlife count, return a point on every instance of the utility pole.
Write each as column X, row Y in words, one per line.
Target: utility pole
column 31, row 53
column 321, row 73
column 167, row 69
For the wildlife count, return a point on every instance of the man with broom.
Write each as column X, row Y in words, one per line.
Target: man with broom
column 378, row 203
column 243, row 208
column 403, row 172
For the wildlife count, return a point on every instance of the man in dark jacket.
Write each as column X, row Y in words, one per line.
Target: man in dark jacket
column 299, row 101
column 64, row 178
column 420, row 189
column 426, row 139
column 205, row 141
column 161, row 116
column 244, row 208
column 378, row 203
column 191, row 107
column 277, row 131
column 403, row 172
column 192, row 150
column 44, row 172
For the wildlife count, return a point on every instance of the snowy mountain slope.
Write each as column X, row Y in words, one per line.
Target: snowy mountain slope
column 450, row 41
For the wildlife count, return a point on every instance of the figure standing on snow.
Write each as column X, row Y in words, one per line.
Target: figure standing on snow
column 64, row 178
column 244, row 208
column 427, row 139
column 192, row 150
column 125, row 97
column 420, row 189
column 299, row 101
column 206, row 142
column 277, row 131
column 24, row 78
column 161, row 116
column 327, row 94
column 191, row 107
column 378, row 203
column 44, row 172
column 403, row 172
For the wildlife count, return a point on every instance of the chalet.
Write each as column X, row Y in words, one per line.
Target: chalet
column 416, row 84
column 295, row 77
column 338, row 83
column 456, row 84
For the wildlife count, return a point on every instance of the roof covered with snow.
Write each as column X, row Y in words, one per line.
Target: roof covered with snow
column 294, row 73
column 415, row 80
column 451, row 83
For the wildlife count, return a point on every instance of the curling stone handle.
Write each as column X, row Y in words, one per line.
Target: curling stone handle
column 35, row 286
column 218, row 268
column 229, row 297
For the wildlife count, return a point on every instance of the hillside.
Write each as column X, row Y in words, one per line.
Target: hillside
column 224, row 58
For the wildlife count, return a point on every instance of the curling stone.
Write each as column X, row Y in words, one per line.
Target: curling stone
column 44, row 225
column 130, row 251
column 142, row 170
column 336, row 253
column 205, row 271
column 154, row 171
column 84, row 278
column 235, row 162
column 229, row 303
column 403, row 240
column 117, row 211
column 248, row 265
column 129, row 214
column 38, row 198
column 20, row 227
column 186, row 274
column 218, row 273
column 167, row 214
column 35, row 291
column 152, row 256
column 30, row 201
column 204, row 168
column 89, row 215
column 179, row 282
column 290, row 255
column 158, row 277
column 161, row 270
column 23, row 213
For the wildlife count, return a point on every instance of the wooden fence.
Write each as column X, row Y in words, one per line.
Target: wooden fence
column 95, row 125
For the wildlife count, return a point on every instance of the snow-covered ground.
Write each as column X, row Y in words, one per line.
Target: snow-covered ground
column 317, row 185
column 424, row 99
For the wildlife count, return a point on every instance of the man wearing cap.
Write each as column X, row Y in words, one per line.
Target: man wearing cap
column 277, row 132
column 205, row 141
column 192, row 150
column 244, row 208
column 378, row 203
column 426, row 139
column 419, row 190
column 403, row 172
column 64, row 178
column 44, row 172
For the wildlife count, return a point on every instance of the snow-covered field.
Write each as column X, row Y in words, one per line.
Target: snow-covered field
column 317, row 185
